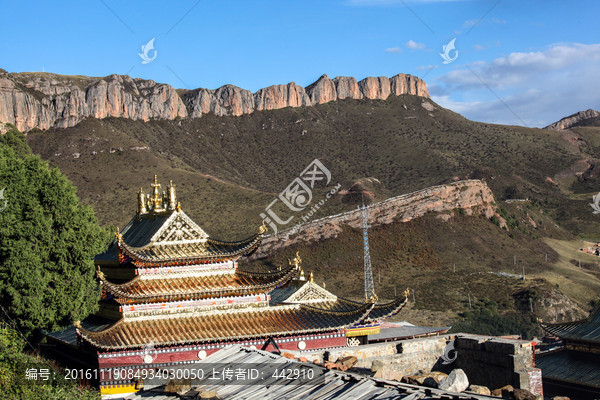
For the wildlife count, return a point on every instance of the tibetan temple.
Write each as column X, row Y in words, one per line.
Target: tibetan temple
column 574, row 369
column 172, row 295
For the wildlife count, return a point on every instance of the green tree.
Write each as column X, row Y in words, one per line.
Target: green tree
column 14, row 382
column 47, row 242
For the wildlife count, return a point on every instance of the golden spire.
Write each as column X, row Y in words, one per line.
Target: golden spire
column 172, row 196
column 311, row 277
column 142, row 202
column 156, row 197
column 302, row 278
column 263, row 228
column 324, row 285
column 178, row 208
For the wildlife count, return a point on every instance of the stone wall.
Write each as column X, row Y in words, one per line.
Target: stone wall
column 488, row 361
column 495, row 362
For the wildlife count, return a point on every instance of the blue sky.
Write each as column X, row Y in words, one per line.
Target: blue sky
column 518, row 62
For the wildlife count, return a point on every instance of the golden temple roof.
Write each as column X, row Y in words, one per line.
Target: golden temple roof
column 219, row 325
column 175, row 286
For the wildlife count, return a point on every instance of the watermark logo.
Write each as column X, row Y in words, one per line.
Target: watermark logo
column 3, row 201
column 596, row 203
column 147, row 48
column 149, row 353
column 446, row 358
column 447, row 48
column 297, row 196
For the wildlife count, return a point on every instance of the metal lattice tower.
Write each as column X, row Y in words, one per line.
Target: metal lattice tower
column 369, row 285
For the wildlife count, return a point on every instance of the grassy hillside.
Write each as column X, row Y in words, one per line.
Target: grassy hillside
column 228, row 169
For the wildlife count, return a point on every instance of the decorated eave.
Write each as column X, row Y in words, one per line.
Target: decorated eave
column 308, row 292
column 179, row 286
column 186, row 252
column 585, row 330
column 218, row 326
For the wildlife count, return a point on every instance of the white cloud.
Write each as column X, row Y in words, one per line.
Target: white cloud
column 411, row 44
column 478, row 47
column 536, row 88
column 393, row 50
column 427, row 67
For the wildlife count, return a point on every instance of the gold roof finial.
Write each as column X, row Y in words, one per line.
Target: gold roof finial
column 172, row 197
column 156, row 196
column 142, row 202
column 324, row 285
column 296, row 261
column 373, row 298
column 77, row 324
column 178, row 206
column 311, row 277
column 100, row 274
column 118, row 235
column 263, row 228
column 406, row 293
column 302, row 278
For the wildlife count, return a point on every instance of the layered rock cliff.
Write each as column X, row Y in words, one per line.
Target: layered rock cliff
column 232, row 100
column 44, row 100
column 472, row 196
column 34, row 100
column 574, row 120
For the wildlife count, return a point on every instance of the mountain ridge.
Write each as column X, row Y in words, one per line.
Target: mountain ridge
column 576, row 119
column 46, row 100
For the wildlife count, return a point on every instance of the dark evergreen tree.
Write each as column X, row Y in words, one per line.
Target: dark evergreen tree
column 47, row 242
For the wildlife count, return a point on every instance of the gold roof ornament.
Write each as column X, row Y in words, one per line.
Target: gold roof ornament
column 77, row 324
column 324, row 285
column 311, row 277
column 118, row 235
column 156, row 200
column 100, row 274
column 302, row 278
column 296, row 261
column 263, row 228
column 173, row 203
column 406, row 293
column 142, row 206
column 373, row 298
column 178, row 208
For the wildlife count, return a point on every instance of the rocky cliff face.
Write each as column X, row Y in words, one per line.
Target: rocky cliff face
column 574, row 120
column 232, row 100
column 44, row 100
column 473, row 196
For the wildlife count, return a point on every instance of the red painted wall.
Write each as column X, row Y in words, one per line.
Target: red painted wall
column 176, row 354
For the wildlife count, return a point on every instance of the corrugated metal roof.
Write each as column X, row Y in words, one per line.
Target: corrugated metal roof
column 587, row 329
column 326, row 384
column 571, row 366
